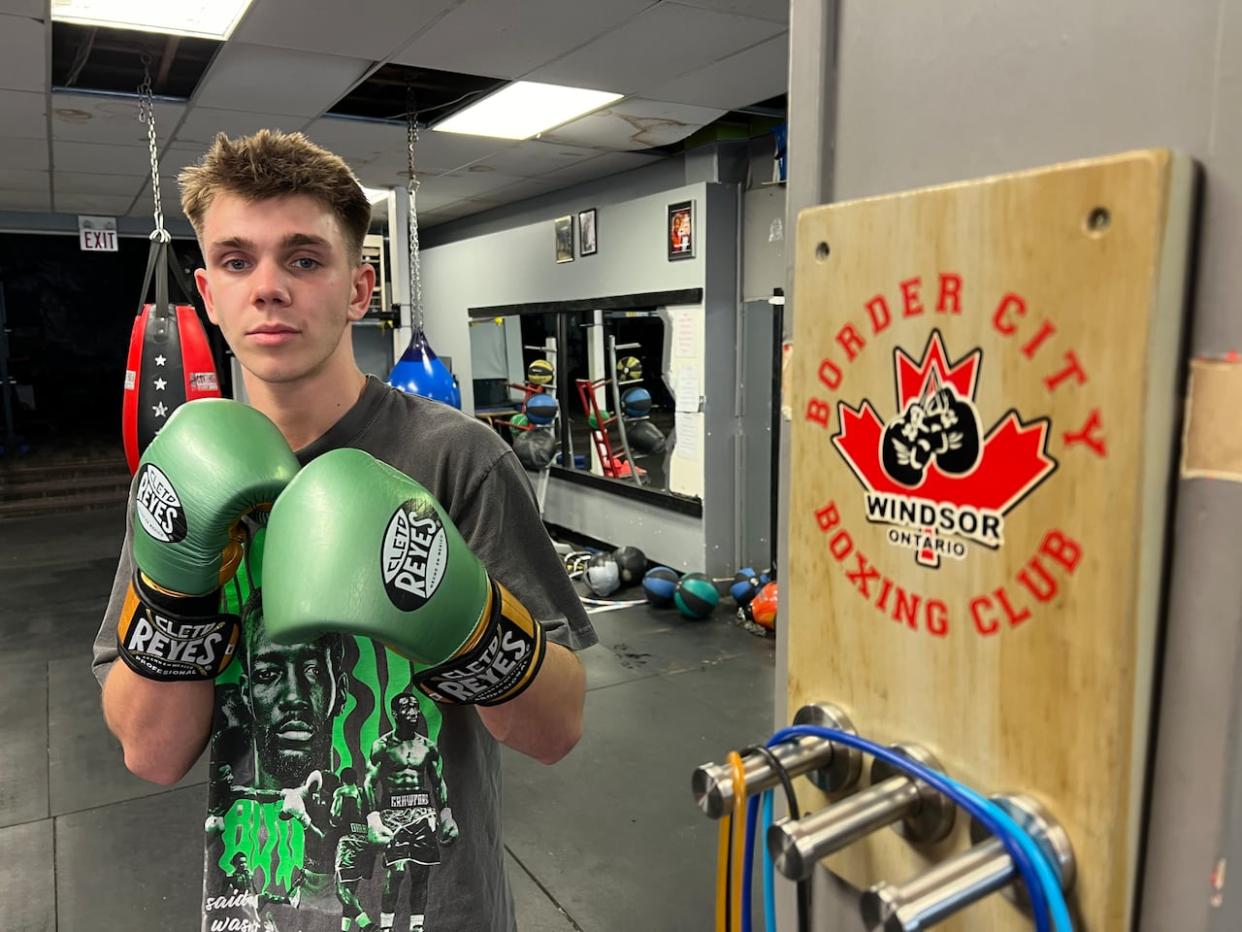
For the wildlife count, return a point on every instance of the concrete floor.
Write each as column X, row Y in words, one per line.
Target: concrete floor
column 609, row 839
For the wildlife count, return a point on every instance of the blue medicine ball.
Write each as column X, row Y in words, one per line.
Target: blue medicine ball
column 541, row 409
column 636, row 402
column 745, row 586
column 659, row 585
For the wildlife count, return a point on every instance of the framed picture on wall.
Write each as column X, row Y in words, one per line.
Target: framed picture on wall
column 587, row 244
column 564, row 239
column 681, row 230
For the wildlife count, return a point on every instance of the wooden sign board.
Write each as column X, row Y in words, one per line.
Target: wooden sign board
column 985, row 392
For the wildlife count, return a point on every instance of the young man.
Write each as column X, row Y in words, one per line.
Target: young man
column 280, row 222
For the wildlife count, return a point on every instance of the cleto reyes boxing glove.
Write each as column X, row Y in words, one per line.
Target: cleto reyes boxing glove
column 355, row 547
column 213, row 462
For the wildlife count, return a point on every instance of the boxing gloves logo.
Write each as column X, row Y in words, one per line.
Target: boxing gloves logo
column 940, row 428
column 414, row 554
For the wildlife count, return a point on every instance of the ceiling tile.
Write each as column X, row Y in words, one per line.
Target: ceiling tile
column 534, row 157
column 468, row 182
column 110, row 120
column 655, row 47
column 92, row 203
column 25, row 199
column 170, row 200
column 241, row 78
column 370, row 30
column 35, row 9
column 635, row 124
column 610, row 163
column 526, row 188
column 775, row 10
column 90, row 183
column 23, row 54
column 504, row 39
column 738, row 81
column 99, row 159
column 24, row 115
column 377, row 151
column 202, row 124
column 17, row 178
column 24, row 153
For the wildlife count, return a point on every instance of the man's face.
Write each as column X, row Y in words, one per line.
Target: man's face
column 405, row 712
column 281, row 284
column 292, row 693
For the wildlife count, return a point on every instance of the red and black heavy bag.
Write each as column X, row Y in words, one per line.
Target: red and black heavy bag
column 169, row 364
column 170, row 360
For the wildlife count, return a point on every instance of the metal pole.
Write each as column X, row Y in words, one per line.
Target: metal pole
column 616, row 400
column 10, row 435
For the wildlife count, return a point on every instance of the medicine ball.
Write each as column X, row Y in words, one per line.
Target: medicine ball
column 519, row 420
column 746, row 584
column 659, row 584
column 696, row 596
column 591, row 418
column 631, row 562
column 629, row 369
column 541, row 409
column 763, row 606
column 644, row 437
column 540, row 372
column 535, row 449
column 602, row 575
column 636, row 402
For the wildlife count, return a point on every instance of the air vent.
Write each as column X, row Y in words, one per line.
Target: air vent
column 437, row 94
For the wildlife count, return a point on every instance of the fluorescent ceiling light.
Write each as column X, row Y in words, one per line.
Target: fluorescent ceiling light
column 375, row 195
column 524, row 109
column 208, row 19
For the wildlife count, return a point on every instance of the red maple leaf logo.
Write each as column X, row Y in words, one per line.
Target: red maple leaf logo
column 1012, row 458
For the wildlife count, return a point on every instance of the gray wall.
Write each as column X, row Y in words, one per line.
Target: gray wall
column 507, row 257
column 930, row 93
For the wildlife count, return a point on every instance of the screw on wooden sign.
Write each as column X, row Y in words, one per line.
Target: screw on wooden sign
column 97, row 234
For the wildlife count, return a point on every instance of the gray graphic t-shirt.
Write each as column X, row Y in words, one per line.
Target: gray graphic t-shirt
column 339, row 796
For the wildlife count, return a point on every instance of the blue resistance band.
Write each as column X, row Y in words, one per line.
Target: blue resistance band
column 1032, row 864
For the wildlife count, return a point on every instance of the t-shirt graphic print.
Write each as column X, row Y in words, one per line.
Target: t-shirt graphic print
column 328, row 807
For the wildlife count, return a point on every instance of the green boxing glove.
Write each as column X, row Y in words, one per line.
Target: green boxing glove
column 213, row 462
column 356, row 547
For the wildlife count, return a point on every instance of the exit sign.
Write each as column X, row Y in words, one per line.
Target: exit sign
column 97, row 234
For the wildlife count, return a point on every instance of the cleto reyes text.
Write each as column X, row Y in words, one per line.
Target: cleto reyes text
column 507, row 650
column 157, row 500
column 194, row 644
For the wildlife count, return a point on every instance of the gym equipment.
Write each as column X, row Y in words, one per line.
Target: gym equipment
column 746, row 584
column 762, row 607
column 169, row 360
column 632, row 562
column 419, row 371
column 659, row 585
column 696, row 596
column 636, row 402
column 645, row 438
column 1060, row 340
column 1014, row 836
column 593, row 422
column 535, row 448
column 519, row 421
column 540, row 372
column 629, row 369
column 602, row 576
column 541, row 409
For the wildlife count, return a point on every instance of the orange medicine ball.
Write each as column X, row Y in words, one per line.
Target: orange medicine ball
column 763, row 606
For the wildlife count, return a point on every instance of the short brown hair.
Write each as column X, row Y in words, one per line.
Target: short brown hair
column 273, row 164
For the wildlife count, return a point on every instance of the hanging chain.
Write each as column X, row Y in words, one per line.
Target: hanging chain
column 416, row 283
column 146, row 113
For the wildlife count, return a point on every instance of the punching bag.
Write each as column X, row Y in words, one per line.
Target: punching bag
column 419, row 371
column 169, row 364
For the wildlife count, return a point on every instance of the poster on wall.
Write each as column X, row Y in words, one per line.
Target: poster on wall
column 564, row 239
column 587, row 243
column 681, row 230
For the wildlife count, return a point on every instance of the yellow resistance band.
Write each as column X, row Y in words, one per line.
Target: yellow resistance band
column 738, row 830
